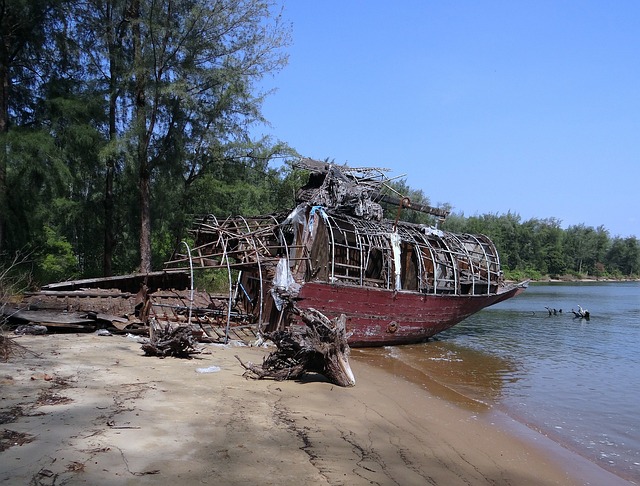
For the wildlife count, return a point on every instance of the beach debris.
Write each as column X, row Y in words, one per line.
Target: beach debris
column 209, row 369
column 554, row 312
column 581, row 313
column 112, row 424
column 10, row 415
column 318, row 347
column 10, row 438
column 171, row 341
column 49, row 397
column 114, row 304
column 34, row 329
column 9, row 347
column 75, row 466
column 137, row 338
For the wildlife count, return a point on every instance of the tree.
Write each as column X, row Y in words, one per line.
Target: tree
column 195, row 67
column 623, row 257
column 103, row 34
column 243, row 185
column 550, row 258
column 107, row 99
column 508, row 235
column 181, row 76
column 584, row 247
column 24, row 26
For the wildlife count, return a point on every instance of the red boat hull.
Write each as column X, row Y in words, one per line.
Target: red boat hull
column 379, row 317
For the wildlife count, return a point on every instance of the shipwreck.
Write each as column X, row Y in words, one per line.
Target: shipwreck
column 378, row 281
column 392, row 282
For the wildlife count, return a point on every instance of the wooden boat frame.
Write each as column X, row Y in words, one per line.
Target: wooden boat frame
column 268, row 258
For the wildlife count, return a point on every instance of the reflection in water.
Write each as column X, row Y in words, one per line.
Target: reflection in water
column 464, row 376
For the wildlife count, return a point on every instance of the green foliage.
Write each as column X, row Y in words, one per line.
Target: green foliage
column 214, row 281
column 521, row 275
column 623, row 256
column 56, row 259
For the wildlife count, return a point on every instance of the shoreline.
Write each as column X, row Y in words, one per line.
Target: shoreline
column 97, row 412
column 583, row 469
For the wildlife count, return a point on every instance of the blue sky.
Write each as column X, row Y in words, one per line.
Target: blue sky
column 531, row 107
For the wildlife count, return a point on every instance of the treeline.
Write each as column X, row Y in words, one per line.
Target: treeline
column 540, row 247
column 122, row 119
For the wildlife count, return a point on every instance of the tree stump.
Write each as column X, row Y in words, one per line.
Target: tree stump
column 319, row 347
column 178, row 342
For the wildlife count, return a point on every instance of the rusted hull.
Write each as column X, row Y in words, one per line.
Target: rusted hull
column 378, row 317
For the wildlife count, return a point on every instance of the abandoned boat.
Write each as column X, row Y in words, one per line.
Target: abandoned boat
column 396, row 282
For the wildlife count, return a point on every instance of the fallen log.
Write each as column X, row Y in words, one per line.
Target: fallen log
column 319, row 347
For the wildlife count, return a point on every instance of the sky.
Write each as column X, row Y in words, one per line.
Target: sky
column 528, row 107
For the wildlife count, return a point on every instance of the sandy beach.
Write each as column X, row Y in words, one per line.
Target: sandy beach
column 88, row 409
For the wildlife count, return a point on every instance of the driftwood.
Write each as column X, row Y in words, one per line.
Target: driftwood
column 581, row 313
column 177, row 342
column 319, row 347
column 554, row 312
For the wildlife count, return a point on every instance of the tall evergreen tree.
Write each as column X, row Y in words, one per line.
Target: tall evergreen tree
column 187, row 73
column 103, row 36
column 24, row 35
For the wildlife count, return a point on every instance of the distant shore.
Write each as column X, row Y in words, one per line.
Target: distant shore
column 92, row 410
column 573, row 279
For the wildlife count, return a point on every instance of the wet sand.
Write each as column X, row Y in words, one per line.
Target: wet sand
column 93, row 410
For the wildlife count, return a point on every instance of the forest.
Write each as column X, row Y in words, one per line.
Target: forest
column 122, row 120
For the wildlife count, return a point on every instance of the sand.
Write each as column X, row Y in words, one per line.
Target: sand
column 93, row 410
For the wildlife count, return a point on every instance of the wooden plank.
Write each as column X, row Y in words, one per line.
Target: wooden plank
column 106, row 293
column 53, row 318
column 111, row 318
column 68, row 325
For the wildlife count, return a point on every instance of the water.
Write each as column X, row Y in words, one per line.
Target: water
column 574, row 380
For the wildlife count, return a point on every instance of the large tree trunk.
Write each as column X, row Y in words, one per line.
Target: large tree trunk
column 109, row 202
column 4, row 128
column 145, row 221
column 109, row 238
column 144, row 175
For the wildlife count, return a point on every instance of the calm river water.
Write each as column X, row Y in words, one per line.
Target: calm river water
column 576, row 381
